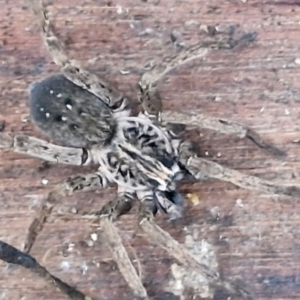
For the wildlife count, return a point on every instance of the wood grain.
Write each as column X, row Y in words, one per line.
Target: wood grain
column 255, row 236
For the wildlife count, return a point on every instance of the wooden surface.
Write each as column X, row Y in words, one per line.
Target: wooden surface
column 255, row 236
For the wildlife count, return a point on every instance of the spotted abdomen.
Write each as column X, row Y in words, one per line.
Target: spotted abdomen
column 70, row 115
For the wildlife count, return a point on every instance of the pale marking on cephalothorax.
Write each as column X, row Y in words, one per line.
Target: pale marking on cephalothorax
column 124, row 153
column 145, row 126
column 155, row 171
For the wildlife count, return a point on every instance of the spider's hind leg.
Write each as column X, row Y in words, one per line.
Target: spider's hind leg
column 69, row 67
column 34, row 147
column 75, row 183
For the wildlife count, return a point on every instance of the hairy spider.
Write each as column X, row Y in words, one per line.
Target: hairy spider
column 140, row 154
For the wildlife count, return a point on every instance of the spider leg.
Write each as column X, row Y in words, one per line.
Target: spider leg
column 152, row 105
column 38, row 148
column 12, row 255
column 69, row 67
column 201, row 168
column 163, row 239
column 109, row 213
column 220, row 125
column 148, row 94
column 75, row 183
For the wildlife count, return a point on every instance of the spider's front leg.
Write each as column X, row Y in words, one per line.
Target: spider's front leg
column 163, row 239
column 10, row 254
column 151, row 102
column 202, row 168
column 106, row 216
column 220, row 125
column 148, row 94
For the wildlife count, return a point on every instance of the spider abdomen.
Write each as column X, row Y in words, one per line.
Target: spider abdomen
column 69, row 114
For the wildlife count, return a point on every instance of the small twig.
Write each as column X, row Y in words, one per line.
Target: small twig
column 12, row 255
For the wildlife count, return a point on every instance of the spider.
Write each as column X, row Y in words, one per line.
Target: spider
column 144, row 155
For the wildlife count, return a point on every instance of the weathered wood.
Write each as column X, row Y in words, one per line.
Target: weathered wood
column 256, row 236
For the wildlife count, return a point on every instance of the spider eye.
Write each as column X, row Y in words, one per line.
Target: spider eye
column 68, row 103
column 118, row 105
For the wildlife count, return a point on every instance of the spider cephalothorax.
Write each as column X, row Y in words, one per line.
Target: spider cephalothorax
column 139, row 154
